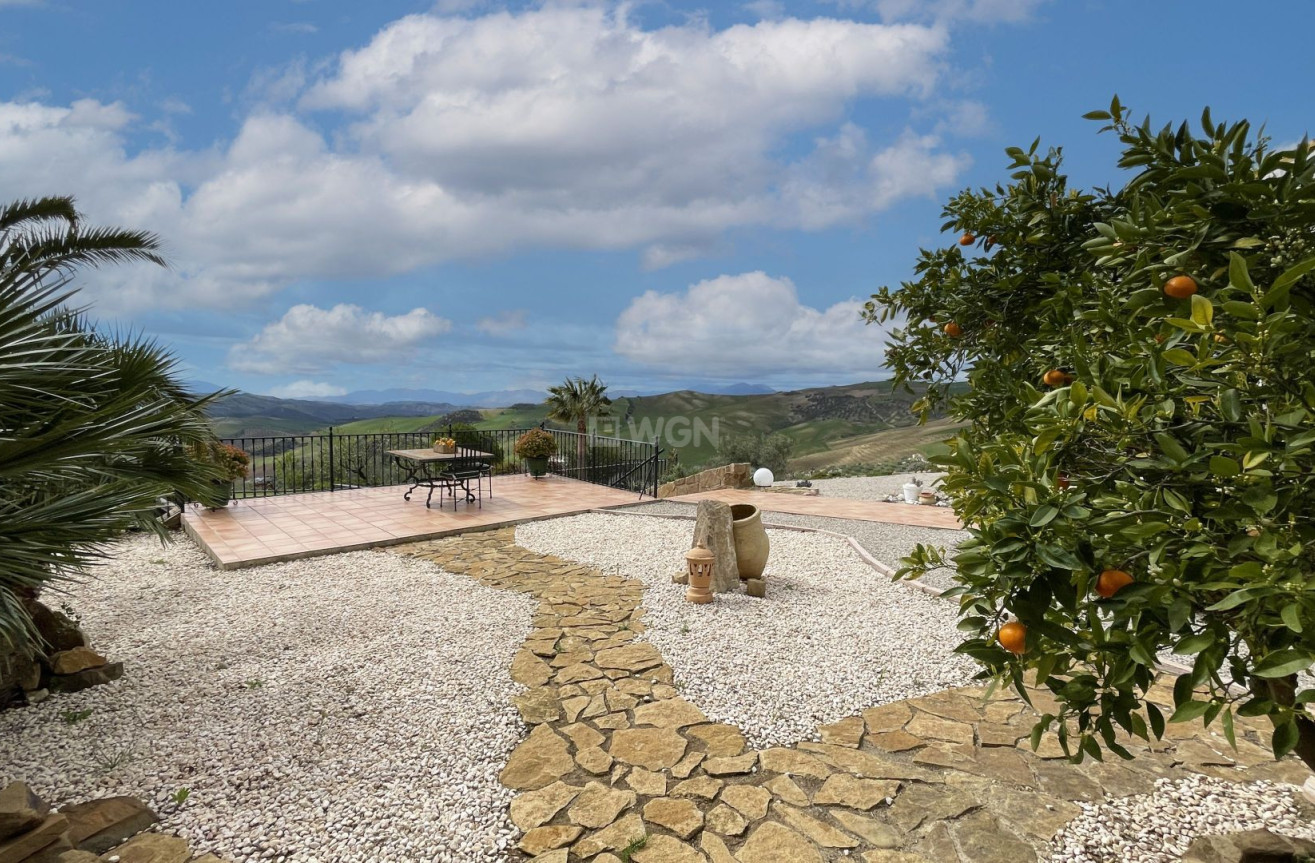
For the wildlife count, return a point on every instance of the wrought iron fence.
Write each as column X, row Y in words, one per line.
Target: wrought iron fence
column 293, row 464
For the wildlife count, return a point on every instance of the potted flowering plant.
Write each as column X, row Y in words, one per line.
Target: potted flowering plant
column 445, row 445
column 536, row 446
column 232, row 464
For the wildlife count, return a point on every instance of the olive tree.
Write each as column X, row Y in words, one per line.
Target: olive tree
column 1138, row 470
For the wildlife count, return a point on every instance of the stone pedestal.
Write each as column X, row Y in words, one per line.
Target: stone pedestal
column 713, row 528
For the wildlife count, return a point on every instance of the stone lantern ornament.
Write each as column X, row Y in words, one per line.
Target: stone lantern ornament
column 700, row 561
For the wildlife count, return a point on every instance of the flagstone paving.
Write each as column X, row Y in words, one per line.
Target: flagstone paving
column 617, row 765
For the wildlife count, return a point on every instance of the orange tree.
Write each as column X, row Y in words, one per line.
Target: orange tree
column 1138, row 472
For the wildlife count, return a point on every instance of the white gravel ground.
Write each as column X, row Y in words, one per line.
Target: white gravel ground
column 1158, row 827
column 887, row 543
column 345, row 708
column 832, row 637
column 868, row 487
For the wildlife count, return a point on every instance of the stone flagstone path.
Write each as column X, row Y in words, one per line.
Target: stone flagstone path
column 618, row 766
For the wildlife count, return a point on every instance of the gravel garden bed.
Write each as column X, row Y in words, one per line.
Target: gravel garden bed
column 887, row 543
column 353, row 707
column 832, row 637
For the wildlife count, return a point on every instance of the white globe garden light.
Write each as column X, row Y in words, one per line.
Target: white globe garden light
column 762, row 477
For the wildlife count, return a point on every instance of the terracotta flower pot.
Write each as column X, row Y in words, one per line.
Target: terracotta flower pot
column 927, row 498
column 751, row 545
column 445, row 449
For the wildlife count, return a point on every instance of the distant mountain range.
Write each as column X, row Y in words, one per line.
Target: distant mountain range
column 503, row 398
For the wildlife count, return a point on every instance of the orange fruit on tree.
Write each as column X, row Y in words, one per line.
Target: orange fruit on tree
column 967, row 239
column 1056, row 378
column 1180, row 287
column 1062, row 481
column 1111, row 581
column 1013, row 637
column 953, row 330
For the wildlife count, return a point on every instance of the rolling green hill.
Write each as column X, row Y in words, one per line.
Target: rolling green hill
column 846, row 425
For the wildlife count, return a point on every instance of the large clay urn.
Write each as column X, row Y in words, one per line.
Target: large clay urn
column 751, row 547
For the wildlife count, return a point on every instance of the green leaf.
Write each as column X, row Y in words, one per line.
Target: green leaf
column 1180, row 357
column 1238, row 276
column 1194, row 643
column 1233, row 600
column 1044, row 516
column 1229, row 733
column 1189, row 711
column 1170, row 447
column 1281, row 663
column 1141, row 655
column 1291, row 617
column 1156, row 718
column 1285, row 737
column 1203, row 311
column 1222, row 465
column 1239, row 309
column 1293, row 274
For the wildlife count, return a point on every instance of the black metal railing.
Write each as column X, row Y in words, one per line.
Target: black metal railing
column 294, row 464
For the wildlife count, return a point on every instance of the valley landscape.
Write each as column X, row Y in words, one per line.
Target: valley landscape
column 838, row 427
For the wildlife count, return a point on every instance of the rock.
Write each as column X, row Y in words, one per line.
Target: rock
column 535, row 808
column 666, row 849
column 884, row 856
column 542, row 839
column 750, row 800
column 681, row 577
column 926, row 725
column 895, row 741
column 35, row 839
column 87, row 678
column 18, row 673
column 726, row 821
column 582, row 735
column 538, row 761
column 736, row 765
column 669, row 713
column 75, row 659
column 597, row 805
column 887, row 717
column 594, row 760
column 875, row 833
column 633, row 657
column 561, row 855
column 784, row 788
column 619, row 835
column 712, row 527
column 927, row 803
column 819, row 831
column 102, row 824
column 720, row 739
column 756, row 587
column 775, row 843
column 678, row 815
column 20, row 810
column 646, row 782
column 700, row 786
column 792, row 763
column 76, row 856
column 529, row 670
column 847, row 732
column 715, row 848
column 539, row 705
column 650, row 748
column 982, row 840
column 842, row 789
column 56, row 629
column 154, row 848
column 1251, row 846
column 52, row 852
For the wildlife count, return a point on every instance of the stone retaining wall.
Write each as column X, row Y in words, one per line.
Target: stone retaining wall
column 738, row 475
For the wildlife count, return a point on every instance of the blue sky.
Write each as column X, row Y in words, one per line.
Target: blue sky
column 472, row 196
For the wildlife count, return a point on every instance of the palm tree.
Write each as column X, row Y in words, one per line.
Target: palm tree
column 578, row 400
column 94, row 427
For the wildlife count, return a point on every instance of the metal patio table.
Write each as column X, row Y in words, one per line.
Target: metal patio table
column 453, row 471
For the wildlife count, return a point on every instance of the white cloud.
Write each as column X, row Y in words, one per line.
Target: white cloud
column 747, row 325
column 559, row 127
column 503, row 323
column 310, row 340
column 974, row 11
column 307, row 390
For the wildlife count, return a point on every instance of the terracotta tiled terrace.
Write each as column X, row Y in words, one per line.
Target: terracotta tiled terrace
column 833, row 507
column 256, row 531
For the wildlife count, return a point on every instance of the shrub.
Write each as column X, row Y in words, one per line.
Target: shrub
column 771, row 451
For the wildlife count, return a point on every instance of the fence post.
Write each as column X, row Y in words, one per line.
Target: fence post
column 657, row 451
column 333, row 483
